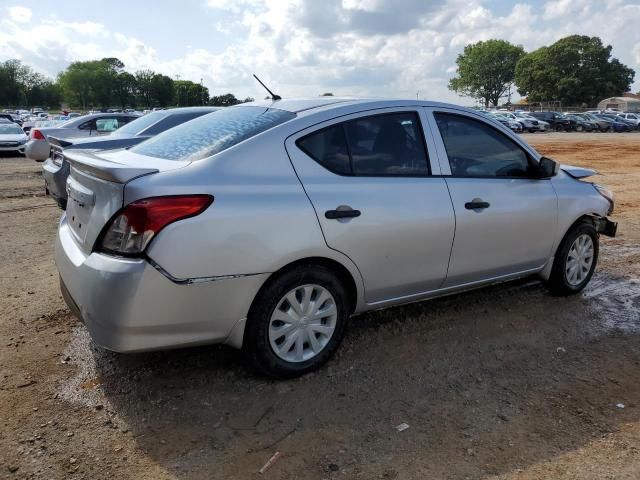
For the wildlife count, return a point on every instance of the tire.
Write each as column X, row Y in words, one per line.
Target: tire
column 562, row 282
column 262, row 332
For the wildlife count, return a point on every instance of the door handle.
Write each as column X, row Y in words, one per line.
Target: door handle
column 346, row 213
column 476, row 205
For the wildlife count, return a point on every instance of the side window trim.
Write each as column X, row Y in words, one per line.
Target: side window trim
column 422, row 128
column 443, row 158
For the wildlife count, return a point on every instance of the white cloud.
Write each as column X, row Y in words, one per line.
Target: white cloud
column 351, row 47
column 19, row 14
column 562, row 8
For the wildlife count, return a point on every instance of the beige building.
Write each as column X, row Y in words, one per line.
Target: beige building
column 624, row 104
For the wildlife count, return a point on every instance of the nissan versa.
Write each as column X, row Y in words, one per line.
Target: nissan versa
column 266, row 225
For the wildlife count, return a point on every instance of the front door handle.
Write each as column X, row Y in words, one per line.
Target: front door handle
column 476, row 204
column 346, row 213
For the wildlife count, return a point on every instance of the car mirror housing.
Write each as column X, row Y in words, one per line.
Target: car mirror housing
column 548, row 168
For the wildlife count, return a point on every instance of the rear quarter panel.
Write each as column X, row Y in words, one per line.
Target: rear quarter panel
column 260, row 220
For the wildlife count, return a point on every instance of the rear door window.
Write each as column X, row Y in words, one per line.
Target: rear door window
column 377, row 145
column 108, row 124
column 329, row 148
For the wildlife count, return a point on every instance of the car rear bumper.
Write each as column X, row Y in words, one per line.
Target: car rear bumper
column 55, row 181
column 37, row 150
column 130, row 306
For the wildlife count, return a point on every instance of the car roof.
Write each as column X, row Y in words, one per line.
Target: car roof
column 172, row 111
column 309, row 106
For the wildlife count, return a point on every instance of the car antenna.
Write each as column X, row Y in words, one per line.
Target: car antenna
column 273, row 95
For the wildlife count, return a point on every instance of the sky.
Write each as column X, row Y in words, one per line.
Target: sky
column 379, row 48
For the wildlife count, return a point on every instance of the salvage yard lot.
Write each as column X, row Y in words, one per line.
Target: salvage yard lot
column 501, row 383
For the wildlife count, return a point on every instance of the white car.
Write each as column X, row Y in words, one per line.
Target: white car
column 537, row 125
column 12, row 138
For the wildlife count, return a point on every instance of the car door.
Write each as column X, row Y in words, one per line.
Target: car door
column 505, row 217
column 379, row 199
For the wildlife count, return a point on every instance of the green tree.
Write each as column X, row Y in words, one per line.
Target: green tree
column 486, row 70
column 227, row 100
column 88, row 83
column 574, row 70
column 125, row 89
column 154, row 89
column 189, row 93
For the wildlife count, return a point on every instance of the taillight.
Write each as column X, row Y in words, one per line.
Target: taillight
column 132, row 228
column 37, row 134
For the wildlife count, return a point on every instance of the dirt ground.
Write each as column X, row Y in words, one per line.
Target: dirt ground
column 501, row 383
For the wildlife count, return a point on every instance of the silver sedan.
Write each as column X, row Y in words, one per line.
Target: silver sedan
column 265, row 226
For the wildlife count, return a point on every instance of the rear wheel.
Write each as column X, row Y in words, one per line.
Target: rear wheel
column 297, row 321
column 575, row 260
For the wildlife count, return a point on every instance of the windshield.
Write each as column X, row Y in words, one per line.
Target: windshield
column 212, row 133
column 139, row 124
column 10, row 129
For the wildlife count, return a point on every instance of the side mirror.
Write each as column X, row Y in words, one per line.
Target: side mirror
column 548, row 168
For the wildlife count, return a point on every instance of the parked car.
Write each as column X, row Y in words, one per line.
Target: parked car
column 38, row 147
column 600, row 124
column 11, row 118
column 615, row 117
column 555, row 119
column 581, row 124
column 507, row 122
column 631, row 117
column 55, row 169
column 538, row 125
column 528, row 124
column 615, row 125
column 12, row 138
column 266, row 225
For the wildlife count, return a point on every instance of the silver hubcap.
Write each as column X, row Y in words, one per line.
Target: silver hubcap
column 302, row 323
column 579, row 259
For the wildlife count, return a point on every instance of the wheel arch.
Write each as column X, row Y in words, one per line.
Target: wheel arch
column 588, row 217
column 345, row 275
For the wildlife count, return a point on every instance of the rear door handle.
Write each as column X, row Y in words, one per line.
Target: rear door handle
column 476, row 205
column 346, row 213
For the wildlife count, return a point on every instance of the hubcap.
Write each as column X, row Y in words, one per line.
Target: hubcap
column 302, row 323
column 579, row 260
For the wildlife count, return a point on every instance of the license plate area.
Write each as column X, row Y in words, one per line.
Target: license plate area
column 80, row 203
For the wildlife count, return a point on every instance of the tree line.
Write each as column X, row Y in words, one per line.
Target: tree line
column 576, row 70
column 102, row 84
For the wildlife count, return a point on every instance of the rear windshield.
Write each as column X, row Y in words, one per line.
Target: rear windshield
column 212, row 133
column 139, row 124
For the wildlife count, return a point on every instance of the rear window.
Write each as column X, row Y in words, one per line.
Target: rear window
column 139, row 124
column 212, row 133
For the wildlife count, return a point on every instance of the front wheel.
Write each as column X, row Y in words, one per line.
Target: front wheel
column 575, row 260
column 297, row 321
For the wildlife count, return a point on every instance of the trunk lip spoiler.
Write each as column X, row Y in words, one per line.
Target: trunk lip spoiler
column 105, row 169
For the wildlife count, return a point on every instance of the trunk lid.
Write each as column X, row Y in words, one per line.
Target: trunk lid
column 95, row 187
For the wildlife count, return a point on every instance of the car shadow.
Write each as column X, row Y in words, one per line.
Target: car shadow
column 490, row 382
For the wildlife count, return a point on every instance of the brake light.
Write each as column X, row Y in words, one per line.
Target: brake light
column 37, row 134
column 132, row 228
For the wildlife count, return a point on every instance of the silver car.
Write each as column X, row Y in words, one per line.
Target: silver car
column 38, row 147
column 267, row 225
